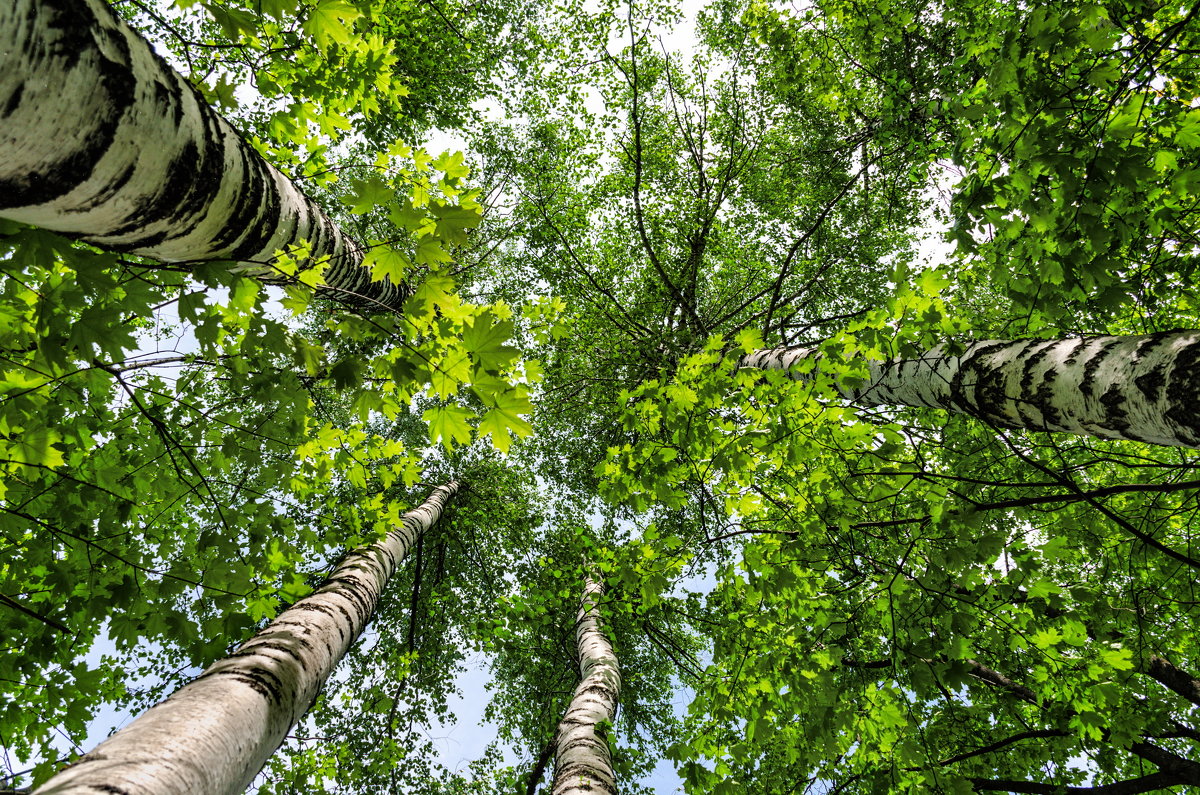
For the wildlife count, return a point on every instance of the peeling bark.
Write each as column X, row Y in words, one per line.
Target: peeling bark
column 214, row 734
column 1142, row 388
column 582, row 762
column 104, row 142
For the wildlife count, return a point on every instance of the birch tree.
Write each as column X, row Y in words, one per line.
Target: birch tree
column 174, row 448
column 1142, row 388
column 216, row 733
column 200, row 193
column 582, row 760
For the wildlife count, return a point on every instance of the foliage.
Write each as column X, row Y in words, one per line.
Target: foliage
column 177, row 448
column 861, row 600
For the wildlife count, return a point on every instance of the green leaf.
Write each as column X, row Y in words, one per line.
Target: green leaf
column 430, row 251
column 448, row 424
column 453, row 222
column 234, row 21
column 485, row 338
column 451, row 164
column 1188, row 133
column 329, row 22
column 1117, row 659
column 280, row 9
column 368, row 194
column 388, row 263
column 36, row 446
column 453, row 369
column 433, row 293
column 309, row 356
column 505, row 417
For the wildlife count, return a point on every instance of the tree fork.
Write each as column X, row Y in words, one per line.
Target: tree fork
column 582, row 761
column 1141, row 388
column 215, row 733
column 104, row 142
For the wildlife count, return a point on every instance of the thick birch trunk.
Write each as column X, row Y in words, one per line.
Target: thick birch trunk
column 582, row 763
column 215, row 733
column 1144, row 388
column 103, row 141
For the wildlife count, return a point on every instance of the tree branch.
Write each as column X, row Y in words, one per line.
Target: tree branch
column 1150, row 783
column 1173, row 678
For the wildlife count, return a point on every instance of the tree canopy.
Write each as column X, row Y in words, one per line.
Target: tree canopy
column 852, row 595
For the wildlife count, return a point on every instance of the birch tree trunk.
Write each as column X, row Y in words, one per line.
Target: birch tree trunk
column 213, row 735
column 1144, row 388
column 582, row 762
column 103, row 141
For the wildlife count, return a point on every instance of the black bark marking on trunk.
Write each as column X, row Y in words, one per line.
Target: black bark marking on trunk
column 1097, row 360
column 172, row 201
column 965, row 376
column 353, row 591
column 291, row 224
column 1029, row 365
column 877, row 393
column 170, row 96
column 387, row 552
column 247, row 213
column 586, row 777
column 269, row 205
column 256, row 683
column 13, row 101
column 110, row 789
column 1183, row 393
column 1152, row 341
column 601, row 687
column 348, row 619
column 1043, row 398
column 212, row 158
column 1076, row 349
column 30, row 45
column 166, row 202
column 327, row 611
column 325, row 232
column 1151, row 384
column 296, row 629
column 279, row 646
column 108, row 191
column 1040, row 397
column 70, row 38
column 292, row 636
column 314, row 607
column 260, row 678
column 990, row 394
column 1115, row 415
column 162, row 96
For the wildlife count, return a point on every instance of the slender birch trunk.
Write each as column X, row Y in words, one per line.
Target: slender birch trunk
column 213, row 735
column 582, row 763
column 1143, row 388
column 103, row 141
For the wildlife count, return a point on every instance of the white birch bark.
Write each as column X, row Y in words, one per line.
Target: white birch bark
column 213, row 735
column 103, row 141
column 1143, row 388
column 582, row 762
